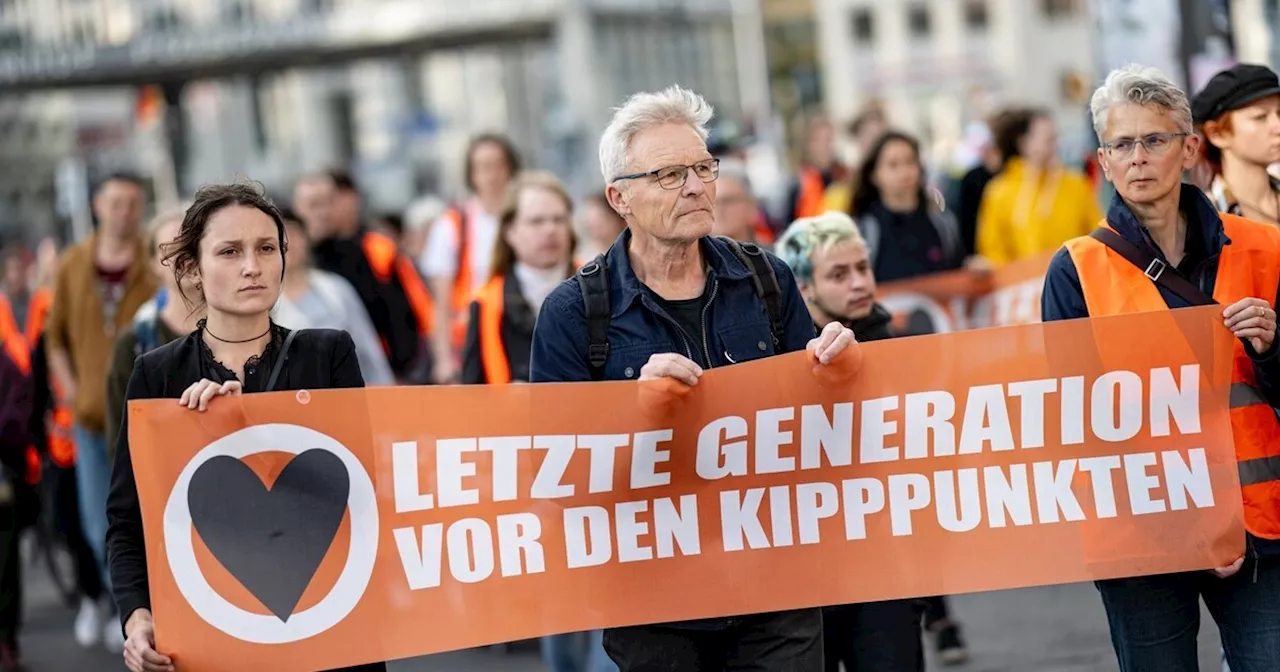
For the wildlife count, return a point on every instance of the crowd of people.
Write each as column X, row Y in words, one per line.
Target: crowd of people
column 518, row 282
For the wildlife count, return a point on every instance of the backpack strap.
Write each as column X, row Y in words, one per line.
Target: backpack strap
column 594, row 283
column 869, row 227
column 765, row 281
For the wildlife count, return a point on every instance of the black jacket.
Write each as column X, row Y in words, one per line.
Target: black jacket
column 15, row 416
column 873, row 327
column 517, row 336
column 389, row 307
column 317, row 359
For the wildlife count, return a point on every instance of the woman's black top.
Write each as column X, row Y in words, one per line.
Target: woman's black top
column 317, row 359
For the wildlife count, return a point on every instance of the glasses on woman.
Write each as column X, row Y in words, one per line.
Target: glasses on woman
column 1155, row 145
column 673, row 177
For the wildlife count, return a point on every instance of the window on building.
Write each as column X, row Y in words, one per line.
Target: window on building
column 863, row 26
column 975, row 15
column 1060, row 9
column 918, row 20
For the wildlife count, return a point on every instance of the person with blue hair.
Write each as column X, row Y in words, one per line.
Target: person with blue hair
column 832, row 266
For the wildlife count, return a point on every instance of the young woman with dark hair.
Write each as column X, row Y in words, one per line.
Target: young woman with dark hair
column 230, row 250
column 908, row 234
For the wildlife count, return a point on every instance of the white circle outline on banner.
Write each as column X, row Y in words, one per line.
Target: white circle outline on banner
column 356, row 573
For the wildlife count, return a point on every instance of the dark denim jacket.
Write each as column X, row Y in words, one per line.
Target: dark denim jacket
column 735, row 326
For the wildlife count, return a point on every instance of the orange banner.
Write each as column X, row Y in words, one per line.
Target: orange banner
column 964, row 299
column 309, row 530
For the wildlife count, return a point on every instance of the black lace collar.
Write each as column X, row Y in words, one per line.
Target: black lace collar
column 217, row 371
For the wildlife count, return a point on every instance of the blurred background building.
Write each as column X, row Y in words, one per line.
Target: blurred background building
column 191, row 91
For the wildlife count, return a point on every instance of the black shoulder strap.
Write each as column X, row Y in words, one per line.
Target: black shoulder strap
column 284, row 354
column 594, row 283
column 765, row 281
column 1152, row 267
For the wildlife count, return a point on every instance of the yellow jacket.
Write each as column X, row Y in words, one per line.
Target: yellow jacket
column 1026, row 212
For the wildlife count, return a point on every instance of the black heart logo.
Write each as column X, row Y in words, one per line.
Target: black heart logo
column 272, row 540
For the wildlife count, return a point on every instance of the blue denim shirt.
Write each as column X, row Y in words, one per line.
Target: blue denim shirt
column 735, row 323
column 1063, row 298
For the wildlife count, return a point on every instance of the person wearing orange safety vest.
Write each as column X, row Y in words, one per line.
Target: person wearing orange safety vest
column 532, row 254
column 459, row 248
column 22, row 316
column 1163, row 246
column 15, row 408
column 394, row 295
column 808, row 197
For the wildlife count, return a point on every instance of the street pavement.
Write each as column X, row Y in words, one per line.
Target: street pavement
column 1051, row 629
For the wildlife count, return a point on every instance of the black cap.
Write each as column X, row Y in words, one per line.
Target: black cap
column 1232, row 89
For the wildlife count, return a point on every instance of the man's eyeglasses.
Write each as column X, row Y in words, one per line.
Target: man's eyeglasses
column 673, row 177
column 1155, row 144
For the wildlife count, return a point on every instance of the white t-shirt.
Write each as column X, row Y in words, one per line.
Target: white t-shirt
column 440, row 260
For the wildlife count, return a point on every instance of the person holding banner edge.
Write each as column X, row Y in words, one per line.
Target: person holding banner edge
column 833, row 269
column 1163, row 245
column 659, row 305
column 230, row 248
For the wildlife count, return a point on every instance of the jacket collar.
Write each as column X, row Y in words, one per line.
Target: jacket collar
column 625, row 288
column 1192, row 202
column 869, row 327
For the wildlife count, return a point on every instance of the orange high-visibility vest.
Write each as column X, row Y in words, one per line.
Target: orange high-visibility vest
column 462, row 293
column 493, row 353
column 812, row 198
column 1248, row 267
column 19, row 346
column 385, row 259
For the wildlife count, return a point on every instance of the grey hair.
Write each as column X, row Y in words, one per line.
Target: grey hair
column 1141, row 85
column 646, row 110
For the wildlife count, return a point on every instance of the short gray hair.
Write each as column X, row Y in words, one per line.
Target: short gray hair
column 646, row 110
column 1141, row 85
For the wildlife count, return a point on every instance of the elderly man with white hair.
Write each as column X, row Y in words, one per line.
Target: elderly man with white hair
column 669, row 300
column 1163, row 245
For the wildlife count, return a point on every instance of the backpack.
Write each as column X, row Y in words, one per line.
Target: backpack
column 146, row 335
column 594, row 283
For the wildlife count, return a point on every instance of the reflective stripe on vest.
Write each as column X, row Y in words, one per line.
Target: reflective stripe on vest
column 1248, row 267
column 493, row 353
column 812, row 199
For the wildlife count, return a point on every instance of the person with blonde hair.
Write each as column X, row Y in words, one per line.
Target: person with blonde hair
column 531, row 255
